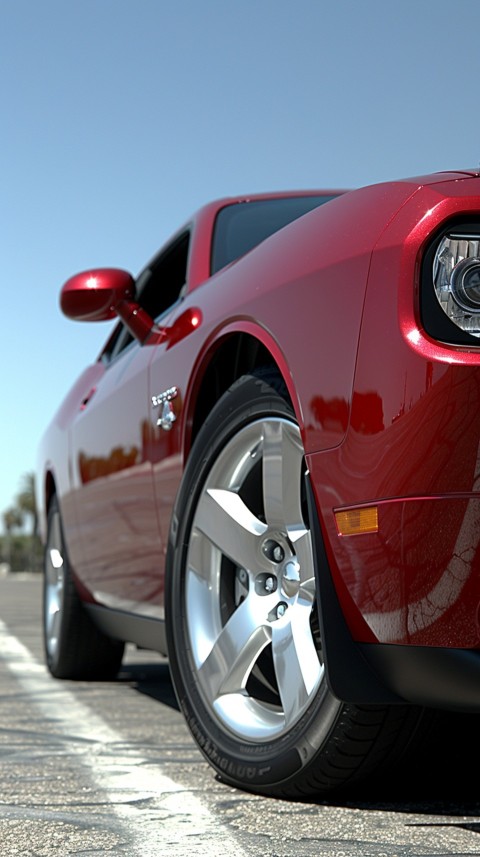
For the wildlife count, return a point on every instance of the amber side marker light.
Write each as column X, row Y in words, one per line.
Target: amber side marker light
column 354, row 522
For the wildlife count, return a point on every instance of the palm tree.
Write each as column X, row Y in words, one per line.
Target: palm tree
column 12, row 520
column 26, row 501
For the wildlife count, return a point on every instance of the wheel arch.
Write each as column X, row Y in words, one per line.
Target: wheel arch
column 238, row 353
column 45, row 491
column 233, row 354
column 50, row 489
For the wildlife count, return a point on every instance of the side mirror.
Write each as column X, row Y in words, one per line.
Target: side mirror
column 94, row 295
column 100, row 295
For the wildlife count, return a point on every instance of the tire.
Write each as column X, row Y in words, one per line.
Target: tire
column 74, row 648
column 242, row 628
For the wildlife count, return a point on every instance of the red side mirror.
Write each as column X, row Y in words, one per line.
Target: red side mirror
column 95, row 295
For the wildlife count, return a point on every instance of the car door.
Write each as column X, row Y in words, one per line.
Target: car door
column 114, row 498
column 114, row 446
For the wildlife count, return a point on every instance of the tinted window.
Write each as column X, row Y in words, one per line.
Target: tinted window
column 161, row 285
column 241, row 226
column 158, row 288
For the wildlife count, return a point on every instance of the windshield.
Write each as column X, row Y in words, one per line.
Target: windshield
column 241, row 226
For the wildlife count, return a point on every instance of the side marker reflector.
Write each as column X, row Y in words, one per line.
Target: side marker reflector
column 354, row 522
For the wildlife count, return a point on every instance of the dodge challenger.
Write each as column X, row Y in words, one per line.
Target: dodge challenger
column 271, row 475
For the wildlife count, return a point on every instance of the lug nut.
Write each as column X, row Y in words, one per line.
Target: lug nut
column 273, row 550
column 265, row 583
column 281, row 610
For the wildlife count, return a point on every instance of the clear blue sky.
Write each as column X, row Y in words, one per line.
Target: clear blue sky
column 120, row 117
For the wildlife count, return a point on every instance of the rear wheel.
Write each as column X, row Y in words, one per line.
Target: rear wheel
column 244, row 642
column 74, row 647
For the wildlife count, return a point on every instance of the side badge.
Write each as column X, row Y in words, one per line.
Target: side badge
column 164, row 401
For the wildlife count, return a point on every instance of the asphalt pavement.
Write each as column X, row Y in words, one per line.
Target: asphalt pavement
column 109, row 768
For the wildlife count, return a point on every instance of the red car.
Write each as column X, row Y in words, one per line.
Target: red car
column 271, row 474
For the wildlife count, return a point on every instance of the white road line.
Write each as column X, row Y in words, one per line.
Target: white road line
column 159, row 815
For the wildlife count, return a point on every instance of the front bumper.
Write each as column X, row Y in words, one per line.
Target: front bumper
column 363, row 669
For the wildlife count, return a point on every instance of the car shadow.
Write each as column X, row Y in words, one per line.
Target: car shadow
column 151, row 679
column 437, row 776
column 431, row 779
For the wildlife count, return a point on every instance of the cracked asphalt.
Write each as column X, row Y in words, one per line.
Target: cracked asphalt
column 110, row 769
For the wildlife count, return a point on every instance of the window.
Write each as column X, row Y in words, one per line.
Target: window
column 158, row 288
column 241, row 226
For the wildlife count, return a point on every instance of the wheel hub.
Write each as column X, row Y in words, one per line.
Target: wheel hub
column 285, row 570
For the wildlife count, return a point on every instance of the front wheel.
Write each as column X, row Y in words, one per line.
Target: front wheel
column 243, row 634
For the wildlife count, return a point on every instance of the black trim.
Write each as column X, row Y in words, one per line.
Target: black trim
column 425, row 675
column 145, row 632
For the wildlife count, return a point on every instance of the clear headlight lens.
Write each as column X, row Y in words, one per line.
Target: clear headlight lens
column 456, row 277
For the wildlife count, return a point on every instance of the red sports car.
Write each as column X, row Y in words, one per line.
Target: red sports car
column 271, row 474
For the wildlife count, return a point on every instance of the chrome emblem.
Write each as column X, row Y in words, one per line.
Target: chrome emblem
column 164, row 401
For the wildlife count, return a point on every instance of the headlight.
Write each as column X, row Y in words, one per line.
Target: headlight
column 456, row 279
